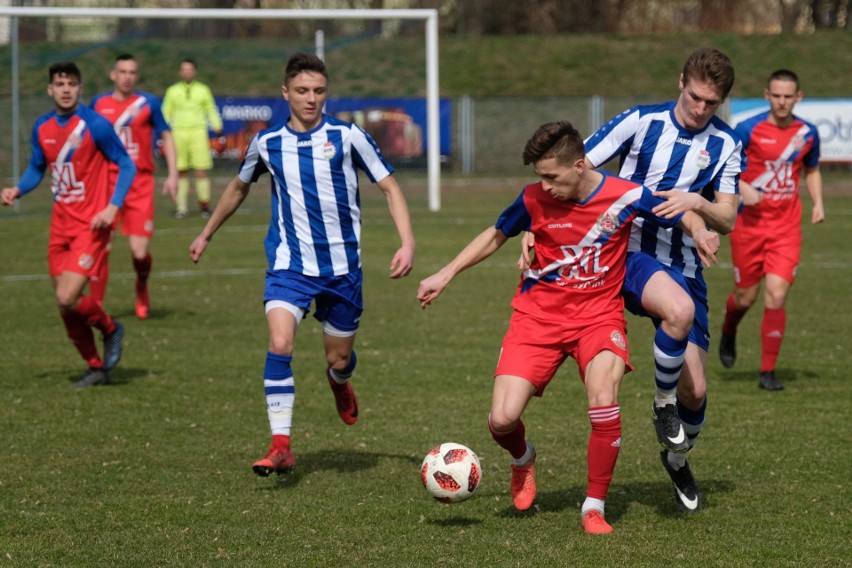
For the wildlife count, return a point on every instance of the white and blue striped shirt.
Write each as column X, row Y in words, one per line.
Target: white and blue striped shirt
column 659, row 153
column 315, row 228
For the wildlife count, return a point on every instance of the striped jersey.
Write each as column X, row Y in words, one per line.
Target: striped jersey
column 77, row 149
column 659, row 153
column 580, row 248
column 774, row 158
column 315, row 228
column 138, row 121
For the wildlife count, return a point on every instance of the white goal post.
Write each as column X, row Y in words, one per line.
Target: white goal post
column 433, row 133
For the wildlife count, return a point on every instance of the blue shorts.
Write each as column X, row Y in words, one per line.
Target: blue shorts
column 640, row 267
column 339, row 300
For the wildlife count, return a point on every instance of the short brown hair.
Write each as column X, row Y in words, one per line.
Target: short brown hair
column 558, row 140
column 783, row 75
column 711, row 65
column 301, row 62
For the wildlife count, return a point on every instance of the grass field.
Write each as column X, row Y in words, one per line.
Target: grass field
column 154, row 470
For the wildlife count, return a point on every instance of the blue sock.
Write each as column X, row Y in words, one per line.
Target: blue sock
column 668, row 361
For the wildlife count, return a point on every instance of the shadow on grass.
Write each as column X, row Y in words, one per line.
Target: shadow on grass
column 658, row 495
column 455, row 522
column 126, row 314
column 342, row 461
column 785, row 375
column 117, row 377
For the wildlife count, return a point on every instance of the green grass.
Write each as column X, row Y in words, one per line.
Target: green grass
column 154, row 470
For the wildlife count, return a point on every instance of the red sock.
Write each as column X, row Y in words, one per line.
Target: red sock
column 143, row 270
column 95, row 315
column 604, row 443
column 772, row 334
column 281, row 442
column 733, row 316
column 98, row 281
column 81, row 336
column 515, row 442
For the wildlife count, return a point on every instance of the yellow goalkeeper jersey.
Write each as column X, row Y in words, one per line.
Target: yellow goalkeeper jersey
column 191, row 105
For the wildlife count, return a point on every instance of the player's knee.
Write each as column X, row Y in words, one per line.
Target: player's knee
column 66, row 301
column 678, row 317
column 338, row 360
column 281, row 345
column 745, row 297
column 692, row 395
column 501, row 422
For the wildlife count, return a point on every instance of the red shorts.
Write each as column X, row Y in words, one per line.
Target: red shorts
column 137, row 214
column 756, row 253
column 80, row 252
column 534, row 349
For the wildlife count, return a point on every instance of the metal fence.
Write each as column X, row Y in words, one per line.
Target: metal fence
column 488, row 133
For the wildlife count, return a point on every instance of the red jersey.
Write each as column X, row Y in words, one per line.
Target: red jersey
column 138, row 121
column 580, row 248
column 774, row 159
column 77, row 148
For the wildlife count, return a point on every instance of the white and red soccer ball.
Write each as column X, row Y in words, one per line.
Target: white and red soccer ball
column 451, row 472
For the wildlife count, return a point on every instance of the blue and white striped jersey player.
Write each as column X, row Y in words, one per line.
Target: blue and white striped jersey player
column 313, row 245
column 681, row 150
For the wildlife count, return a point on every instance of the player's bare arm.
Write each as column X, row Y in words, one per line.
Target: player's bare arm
column 707, row 242
column 720, row 214
column 231, row 199
column 403, row 260
column 9, row 195
column 813, row 179
column 480, row 248
column 170, row 154
column 749, row 195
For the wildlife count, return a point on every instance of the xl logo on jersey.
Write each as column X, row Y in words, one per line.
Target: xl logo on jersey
column 126, row 137
column 779, row 177
column 65, row 187
column 581, row 266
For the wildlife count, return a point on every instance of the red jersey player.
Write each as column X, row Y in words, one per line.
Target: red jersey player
column 568, row 302
column 767, row 239
column 77, row 145
column 137, row 120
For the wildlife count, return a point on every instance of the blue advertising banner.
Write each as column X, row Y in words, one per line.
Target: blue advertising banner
column 397, row 125
column 832, row 117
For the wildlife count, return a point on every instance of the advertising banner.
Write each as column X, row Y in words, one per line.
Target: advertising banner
column 398, row 125
column 832, row 117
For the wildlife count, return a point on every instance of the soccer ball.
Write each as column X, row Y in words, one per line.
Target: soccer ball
column 451, row 472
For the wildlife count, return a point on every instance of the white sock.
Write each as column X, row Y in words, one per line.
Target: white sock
column 592, row 503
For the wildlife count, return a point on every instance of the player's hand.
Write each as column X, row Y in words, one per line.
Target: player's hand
column 818, row 214
column 196, row 249
column 527, row 245
column 170, row 186
column 9, row 195
column 104, row 219
column 677, row 202
column 707, row 244
column 402, row 262
column 750, row 195
column 430, row 288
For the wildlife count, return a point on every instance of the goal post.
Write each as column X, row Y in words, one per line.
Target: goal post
column 429, row 16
